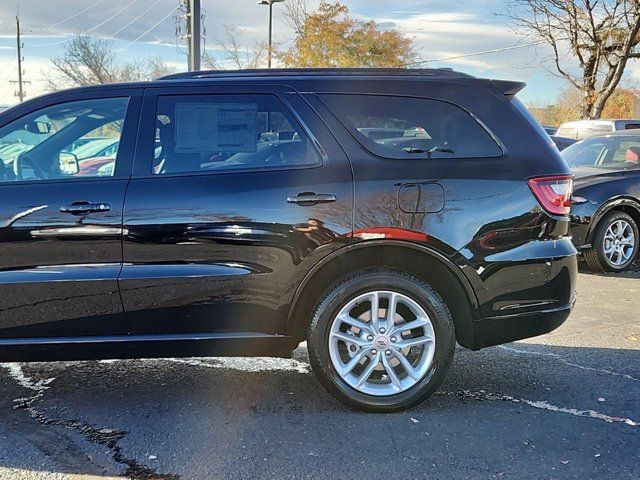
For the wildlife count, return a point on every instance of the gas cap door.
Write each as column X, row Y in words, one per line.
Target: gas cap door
column 421, row 197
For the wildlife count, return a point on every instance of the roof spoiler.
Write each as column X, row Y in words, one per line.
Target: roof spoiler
column 508, row 88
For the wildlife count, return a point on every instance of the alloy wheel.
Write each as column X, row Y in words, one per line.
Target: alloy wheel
column 382, row 343
column 619, row 243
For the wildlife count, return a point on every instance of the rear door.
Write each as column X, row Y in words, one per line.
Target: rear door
column 237, row 192
column 60, row 223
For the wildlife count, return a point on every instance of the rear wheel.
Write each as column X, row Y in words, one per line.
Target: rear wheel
column 615, row 243
column 381, row 340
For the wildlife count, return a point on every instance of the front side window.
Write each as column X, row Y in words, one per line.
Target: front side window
column 69, row 140
column 614, row 152
column 211, row 133
column 415, row 128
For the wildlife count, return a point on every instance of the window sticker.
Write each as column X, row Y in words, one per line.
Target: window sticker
column 216, row 127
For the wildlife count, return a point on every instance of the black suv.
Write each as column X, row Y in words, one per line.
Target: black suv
column 380, row 215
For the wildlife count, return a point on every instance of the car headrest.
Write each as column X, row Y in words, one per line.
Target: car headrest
column 633, row 155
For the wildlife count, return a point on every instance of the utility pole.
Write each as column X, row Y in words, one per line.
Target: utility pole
column 20, row 93
column 194, row 33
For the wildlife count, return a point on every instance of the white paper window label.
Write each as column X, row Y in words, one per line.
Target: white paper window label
column 216, row 127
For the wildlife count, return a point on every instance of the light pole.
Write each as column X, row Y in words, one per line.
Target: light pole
column 270, row 3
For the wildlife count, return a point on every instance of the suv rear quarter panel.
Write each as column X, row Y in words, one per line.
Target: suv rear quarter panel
column 490, row 224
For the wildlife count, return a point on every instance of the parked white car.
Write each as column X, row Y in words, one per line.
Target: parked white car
column 593, row 128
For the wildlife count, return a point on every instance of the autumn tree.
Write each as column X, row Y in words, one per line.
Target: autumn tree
column 568, row 103
column 90, row 61
column 330, row 37
column 620, row 103
column 601, row 35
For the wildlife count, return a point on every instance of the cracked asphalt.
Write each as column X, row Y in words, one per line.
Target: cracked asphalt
column 561, row 406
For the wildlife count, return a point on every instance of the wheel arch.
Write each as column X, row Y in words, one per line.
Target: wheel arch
column 628, row 205
column 429, row 265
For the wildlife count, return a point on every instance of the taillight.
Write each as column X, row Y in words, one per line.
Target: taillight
column 553, row 193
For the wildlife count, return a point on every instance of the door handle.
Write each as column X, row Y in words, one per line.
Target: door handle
column 309, row 198
column 79, row 208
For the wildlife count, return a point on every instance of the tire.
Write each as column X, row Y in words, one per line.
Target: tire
column 431, row 363
column 596, row 257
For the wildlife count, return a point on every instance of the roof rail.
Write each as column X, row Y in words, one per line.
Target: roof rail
column 298, row 72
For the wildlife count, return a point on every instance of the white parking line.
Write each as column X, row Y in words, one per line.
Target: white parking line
column 567, row 362
column 541, row 404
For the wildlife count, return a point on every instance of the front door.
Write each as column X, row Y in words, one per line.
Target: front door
column 61, row 216
column 236, row 194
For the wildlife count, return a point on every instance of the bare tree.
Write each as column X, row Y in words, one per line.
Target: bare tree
column 295, row 15
column 603, row 35
column 87, row 61
column 235, row 54
column 91, row 61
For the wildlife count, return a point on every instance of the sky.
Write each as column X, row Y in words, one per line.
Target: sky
column 440, row 29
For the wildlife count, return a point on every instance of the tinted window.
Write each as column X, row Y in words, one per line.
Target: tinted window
column 616, row 153
column 632, row 126
column 203, row 133
column 56, row 142
column 401, row 127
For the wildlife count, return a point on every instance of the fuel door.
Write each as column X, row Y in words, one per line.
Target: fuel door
column 421, row 197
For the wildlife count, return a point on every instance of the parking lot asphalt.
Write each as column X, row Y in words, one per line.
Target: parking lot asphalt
column 561, row 406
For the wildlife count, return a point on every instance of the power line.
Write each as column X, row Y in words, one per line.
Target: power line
column 6, row 65
column 69, row 17
column 148, row 30
column 134, row 19
column 131, row 4
column 50, row 44
column 475, row 54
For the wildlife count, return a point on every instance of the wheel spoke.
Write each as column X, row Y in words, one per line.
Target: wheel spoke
column 354, row 322
column 406, row 364
column 375, row 310
column 618, row 229
column 391, row 311
column 413, row 342
column 350, row 339
column 346, row 369
column 393, row 376
column 366, row 373
column 417, row 323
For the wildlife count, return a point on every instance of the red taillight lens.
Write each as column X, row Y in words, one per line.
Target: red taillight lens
column 553, row 193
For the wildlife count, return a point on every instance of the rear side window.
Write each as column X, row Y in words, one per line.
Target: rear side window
column 632, row 126
column 403, row 127
column 210, row 133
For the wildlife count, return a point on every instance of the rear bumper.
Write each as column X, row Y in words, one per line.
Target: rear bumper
column 522, row 293
column 508, row 328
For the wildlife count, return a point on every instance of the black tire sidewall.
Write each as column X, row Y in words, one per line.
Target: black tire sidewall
column 603, row 225
column 368, row 281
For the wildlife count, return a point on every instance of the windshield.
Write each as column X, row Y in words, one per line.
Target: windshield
column 613, row 152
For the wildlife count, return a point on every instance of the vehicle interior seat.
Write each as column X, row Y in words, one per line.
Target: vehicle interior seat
column 632, row 157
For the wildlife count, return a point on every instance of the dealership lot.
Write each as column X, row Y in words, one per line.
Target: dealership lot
column 565, row 405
